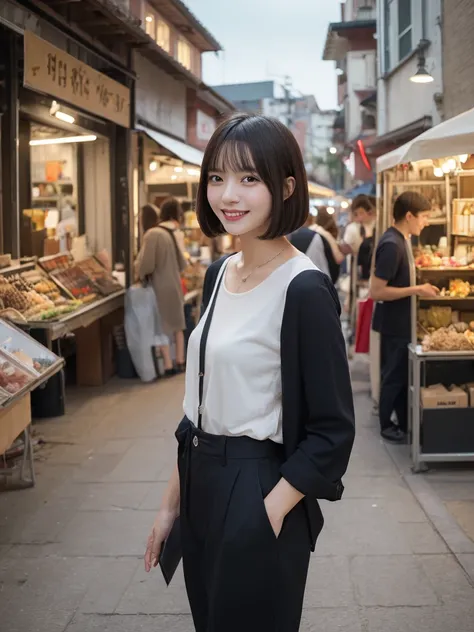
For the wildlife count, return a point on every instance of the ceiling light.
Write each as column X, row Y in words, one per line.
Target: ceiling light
column 330, row 210
column 344, row 204
column 333, row 150
column 438, row 172
column 463, row 158
column 339, row 72
column 62, row 141
column 179, row 169
column 174, row 177
column 445, row 167
column 149, row 18
column 62, row 116
column 153, row 166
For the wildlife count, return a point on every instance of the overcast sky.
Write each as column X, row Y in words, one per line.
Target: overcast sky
column 262, row 38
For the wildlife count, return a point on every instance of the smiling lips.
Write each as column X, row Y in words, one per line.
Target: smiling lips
column 234, row 216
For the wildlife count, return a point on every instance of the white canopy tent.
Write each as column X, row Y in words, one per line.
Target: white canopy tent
column 453, row 137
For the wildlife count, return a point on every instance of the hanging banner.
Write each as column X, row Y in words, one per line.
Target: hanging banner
column 52, row 71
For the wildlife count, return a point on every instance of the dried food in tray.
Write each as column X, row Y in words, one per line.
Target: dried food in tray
column 13, row 379
column 11, row 297
column 103, row 280
column 77, row 283
column 56, row 262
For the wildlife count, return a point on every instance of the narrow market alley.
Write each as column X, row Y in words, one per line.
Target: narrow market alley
column 71, row 549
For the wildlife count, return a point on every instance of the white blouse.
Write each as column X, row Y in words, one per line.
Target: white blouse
column 242, row 383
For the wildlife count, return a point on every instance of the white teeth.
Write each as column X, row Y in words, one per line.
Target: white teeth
column 234, row 214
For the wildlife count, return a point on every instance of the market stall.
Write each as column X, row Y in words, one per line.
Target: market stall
column 25, row 366
column 439, row 164
column 56, row 296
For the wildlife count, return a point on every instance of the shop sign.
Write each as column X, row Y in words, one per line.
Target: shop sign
column 205, row 126
column 52, row 71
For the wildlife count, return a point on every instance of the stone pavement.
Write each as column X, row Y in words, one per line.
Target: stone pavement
column 71, row 549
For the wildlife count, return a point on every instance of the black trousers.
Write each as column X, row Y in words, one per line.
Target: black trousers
column 239, row 576
column 394, row 388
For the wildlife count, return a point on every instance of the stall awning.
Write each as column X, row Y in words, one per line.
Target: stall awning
column 318, row 190
column 186, row 153
column 452, row 137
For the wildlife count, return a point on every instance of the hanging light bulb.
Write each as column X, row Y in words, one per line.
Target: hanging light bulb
column 153, row 165
column 445, row 167
column 438, row 172
column 451, row 164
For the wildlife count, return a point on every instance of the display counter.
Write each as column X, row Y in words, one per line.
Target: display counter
column 55, row 297
column 25, row 365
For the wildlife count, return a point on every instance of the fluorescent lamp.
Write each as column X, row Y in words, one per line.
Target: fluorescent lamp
column 62, row 141
column 62, row 116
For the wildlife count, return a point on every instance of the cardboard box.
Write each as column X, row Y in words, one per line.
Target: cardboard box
column 438, row 396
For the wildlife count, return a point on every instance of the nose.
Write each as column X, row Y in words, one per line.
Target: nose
column 230, row 193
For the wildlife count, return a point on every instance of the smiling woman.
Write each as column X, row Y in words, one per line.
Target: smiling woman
column 264, row 156
column 269, row 421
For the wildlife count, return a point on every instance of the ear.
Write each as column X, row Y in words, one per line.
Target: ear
column 289, row 187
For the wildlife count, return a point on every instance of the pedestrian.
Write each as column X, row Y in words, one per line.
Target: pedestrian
column 269, row 422
column 325, row 225
column 161, row 261
column 312, row 245
column 391, row 285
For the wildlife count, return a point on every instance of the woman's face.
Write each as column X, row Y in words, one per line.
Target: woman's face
column 241, row 201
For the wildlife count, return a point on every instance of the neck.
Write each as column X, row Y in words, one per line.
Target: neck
column 402, row 227
column 256, row 251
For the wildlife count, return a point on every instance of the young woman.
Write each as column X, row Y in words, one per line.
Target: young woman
column 161, row 259
column 269, row 422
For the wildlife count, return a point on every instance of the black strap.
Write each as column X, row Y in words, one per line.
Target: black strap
column 175, row 242
column 202, row 348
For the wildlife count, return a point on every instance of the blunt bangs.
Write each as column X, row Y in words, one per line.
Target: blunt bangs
column 264, row 146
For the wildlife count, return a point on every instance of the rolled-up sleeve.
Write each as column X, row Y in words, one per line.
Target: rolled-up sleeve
column 316, row 467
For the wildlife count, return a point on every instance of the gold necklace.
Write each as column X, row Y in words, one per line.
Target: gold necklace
column 245, row 278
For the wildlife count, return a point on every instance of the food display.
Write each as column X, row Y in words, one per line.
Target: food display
column 12, row 378
column 448, row 339
column 101, row 278
column 458, row 289
column 77, row 283
column 431, row 257
column 24, row 349
column 34, row 295
column 56, row 262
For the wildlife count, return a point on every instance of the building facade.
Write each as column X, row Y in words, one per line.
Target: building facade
column 409, row 39
column 458, row 56
column 351, row 44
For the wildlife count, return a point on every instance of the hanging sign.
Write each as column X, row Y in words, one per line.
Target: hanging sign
column 52, row 71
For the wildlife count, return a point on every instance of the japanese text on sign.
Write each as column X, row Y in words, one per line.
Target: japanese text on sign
column 52, row 71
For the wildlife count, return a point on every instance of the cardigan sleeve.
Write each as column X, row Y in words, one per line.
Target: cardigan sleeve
column 321, row 458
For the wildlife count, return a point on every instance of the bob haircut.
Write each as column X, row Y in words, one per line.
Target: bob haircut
column 264, row 146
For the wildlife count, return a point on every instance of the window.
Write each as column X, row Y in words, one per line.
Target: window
column 184, row 53
column 405, row 43
column 150, row 25
column 163, row 35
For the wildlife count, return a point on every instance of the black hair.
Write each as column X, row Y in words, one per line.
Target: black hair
column 362, row 201
column 171, row 209
column 260, row 144
column 409, row 202
column 149, row 217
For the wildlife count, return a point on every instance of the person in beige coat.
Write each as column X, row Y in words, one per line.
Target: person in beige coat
column 161, row 261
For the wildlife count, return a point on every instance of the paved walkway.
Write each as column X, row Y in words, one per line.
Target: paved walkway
column 71, row 549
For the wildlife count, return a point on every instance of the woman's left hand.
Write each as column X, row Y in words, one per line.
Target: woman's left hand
column 275, row 516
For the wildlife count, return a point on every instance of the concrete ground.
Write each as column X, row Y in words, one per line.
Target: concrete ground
column 390, row 558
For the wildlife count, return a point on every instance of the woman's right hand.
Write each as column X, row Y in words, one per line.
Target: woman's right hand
column 160, row 531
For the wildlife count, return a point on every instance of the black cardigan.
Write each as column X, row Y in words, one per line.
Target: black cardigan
column 318, row 412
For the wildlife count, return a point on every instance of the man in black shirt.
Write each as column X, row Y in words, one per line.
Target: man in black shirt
column 392, row 285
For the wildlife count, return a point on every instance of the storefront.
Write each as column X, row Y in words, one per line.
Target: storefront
column 65, row 142
column 440, row 165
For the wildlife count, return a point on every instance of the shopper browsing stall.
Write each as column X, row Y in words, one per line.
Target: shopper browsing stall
column 391, row 285
column 269, row 420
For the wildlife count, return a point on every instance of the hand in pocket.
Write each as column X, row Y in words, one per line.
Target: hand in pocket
column 275, row 517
